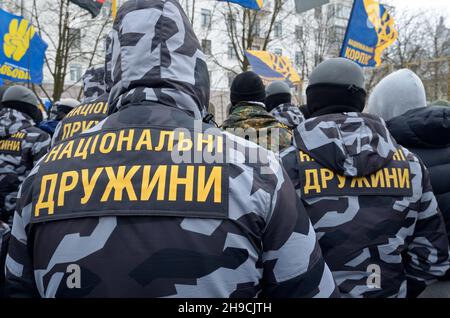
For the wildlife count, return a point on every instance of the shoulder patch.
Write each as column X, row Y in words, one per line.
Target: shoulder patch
column 318, row 181
column 130, row 172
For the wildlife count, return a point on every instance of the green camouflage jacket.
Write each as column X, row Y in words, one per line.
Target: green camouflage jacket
column 250, row 120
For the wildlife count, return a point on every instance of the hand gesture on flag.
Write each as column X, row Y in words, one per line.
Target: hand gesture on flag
column 17, row 41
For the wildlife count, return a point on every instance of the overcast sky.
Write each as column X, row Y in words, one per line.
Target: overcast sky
column 440, row 6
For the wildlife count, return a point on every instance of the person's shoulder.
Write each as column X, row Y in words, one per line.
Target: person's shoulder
column 34, row 132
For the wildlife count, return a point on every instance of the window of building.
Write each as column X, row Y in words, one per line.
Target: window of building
column 231, row 76
column 75, row 72
column 206, row 46
column 257, row 29
column 278, row 29
column 106, row 10
column 339, row 33
column 74, row 38
column 206, row 18
column 298, row 32
column 231, row 21
column 342, row 11
column 278, row 52
column 231, row 52
column 298, row 58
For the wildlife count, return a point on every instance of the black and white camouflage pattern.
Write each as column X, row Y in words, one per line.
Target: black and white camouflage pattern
column 108, row 62
column 288, row 114
column 265, row 245
column 15, row 165
column 93, row 83
column 404, row 236
column 170, row 70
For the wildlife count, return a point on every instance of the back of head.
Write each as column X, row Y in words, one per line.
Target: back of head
column 157, row 57
column 247, row 87
column 93, row 83
column 336, row 85
column 396, row 94
column 277, row 93
column 62, row 107
column 23, row 100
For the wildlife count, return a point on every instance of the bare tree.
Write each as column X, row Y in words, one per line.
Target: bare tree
column 244, row 30
column 65, row 27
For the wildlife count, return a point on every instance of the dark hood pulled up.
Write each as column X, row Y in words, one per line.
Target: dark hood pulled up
column 426, row 127
column 156, row 57
column 351, row 144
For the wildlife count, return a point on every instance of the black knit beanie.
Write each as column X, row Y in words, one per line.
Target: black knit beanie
column 276, row 100
column 247, row 87
column 330, row 98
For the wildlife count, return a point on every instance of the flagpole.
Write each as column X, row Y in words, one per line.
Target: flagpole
column 114, row 8
column 346, row 30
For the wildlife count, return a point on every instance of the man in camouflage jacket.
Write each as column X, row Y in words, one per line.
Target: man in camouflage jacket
column 134, row 215
column 22, row 144
column 369, row 199
column 97, row 84
column 248, row 117
column 279, row 103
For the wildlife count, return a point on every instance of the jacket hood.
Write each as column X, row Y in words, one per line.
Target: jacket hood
column 396, row 94
column 12, row 121
column 93, row 83
column 426, row 127
column 351, row 144
column 108, row 66
column 157, row 57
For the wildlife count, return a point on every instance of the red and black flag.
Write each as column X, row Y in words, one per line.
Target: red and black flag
column 93, row 6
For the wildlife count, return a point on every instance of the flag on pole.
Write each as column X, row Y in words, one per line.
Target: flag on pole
column 272, row 67
column 22, row 51
column 249, row 4
column 93, row 6
column 369, row 32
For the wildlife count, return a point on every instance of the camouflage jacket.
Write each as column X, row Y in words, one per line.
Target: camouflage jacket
column 288, row 114
column 22, row 144
column 93, row 84
column 371, row 204
column 81, row 118
column 251, row 121
column 5, row 234
column 138, row 207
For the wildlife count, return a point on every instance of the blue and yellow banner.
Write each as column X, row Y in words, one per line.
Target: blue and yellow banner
column 249, row 4
column 272, row 67
column 22, row 51
column 370, row 30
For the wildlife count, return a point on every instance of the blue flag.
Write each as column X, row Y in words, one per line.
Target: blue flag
column 22, row 51
column 370, row 30
column 271, row 67
column 250, row 4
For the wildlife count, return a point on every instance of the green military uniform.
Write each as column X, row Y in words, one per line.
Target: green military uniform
column 247, row 115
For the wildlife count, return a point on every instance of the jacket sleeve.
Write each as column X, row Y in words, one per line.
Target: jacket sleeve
column 292, row 260
column 40, row 147
column 55, row 137
column 19, row 266
column 428, row 252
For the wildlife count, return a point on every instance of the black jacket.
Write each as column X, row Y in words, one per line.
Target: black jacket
column 426, row 132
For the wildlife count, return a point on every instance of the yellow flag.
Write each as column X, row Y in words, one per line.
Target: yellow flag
column 114, row 8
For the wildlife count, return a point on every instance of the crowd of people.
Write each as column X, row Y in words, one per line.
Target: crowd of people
column 344, row 198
